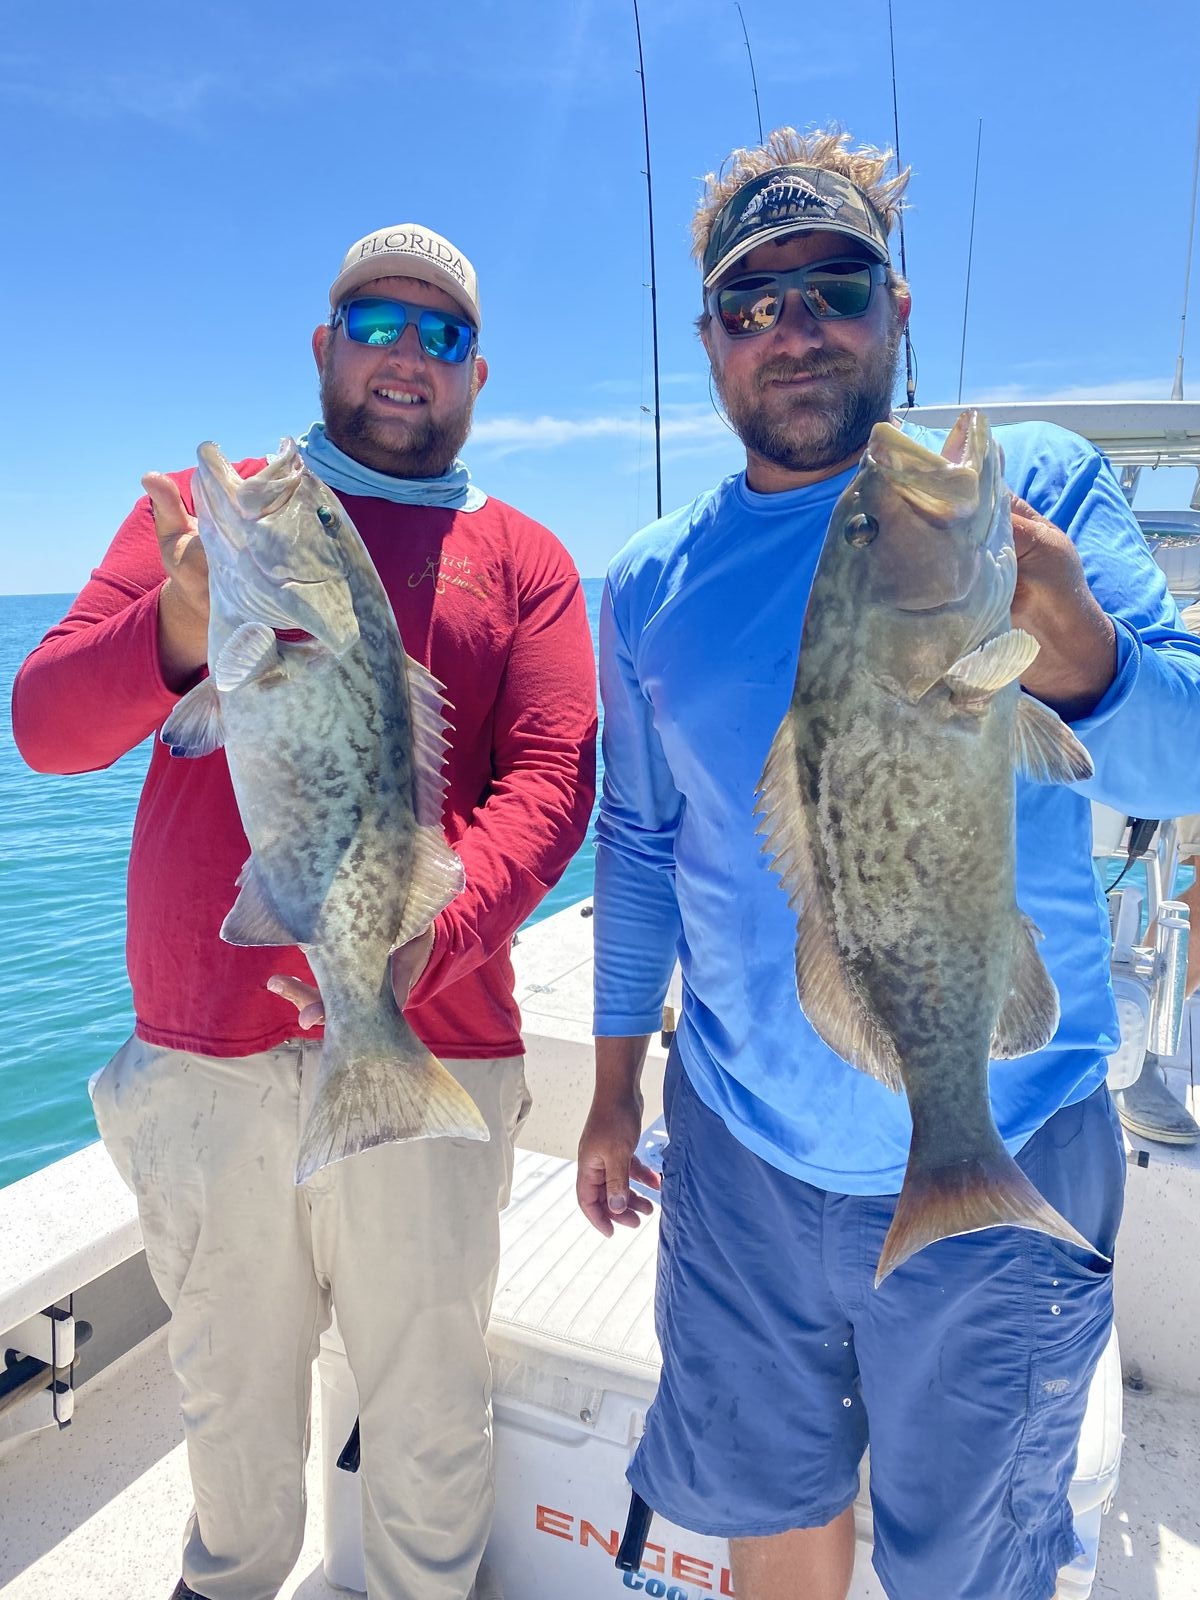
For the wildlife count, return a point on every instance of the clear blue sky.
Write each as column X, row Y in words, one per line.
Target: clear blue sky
column 181, row 183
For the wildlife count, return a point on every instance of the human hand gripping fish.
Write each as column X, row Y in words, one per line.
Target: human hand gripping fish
column 407, row 964
column 1077, row 641
column 888, row 802
column 335, row 743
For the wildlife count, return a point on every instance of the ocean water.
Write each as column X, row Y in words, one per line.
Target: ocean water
column 64, row 845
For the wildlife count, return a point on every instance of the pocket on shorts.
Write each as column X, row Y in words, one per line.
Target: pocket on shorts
column 1077, row 1162
column 1060, row 1378
column 520, row 1102
column 677, row 1092
column 117, row 1093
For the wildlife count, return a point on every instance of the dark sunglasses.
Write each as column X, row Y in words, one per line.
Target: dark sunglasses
column 381, row 322
column 830, row 289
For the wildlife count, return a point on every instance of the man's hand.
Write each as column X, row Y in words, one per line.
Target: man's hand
column 1078, row 656
column 607, row 1163
column 407, row 964
column 183, row 599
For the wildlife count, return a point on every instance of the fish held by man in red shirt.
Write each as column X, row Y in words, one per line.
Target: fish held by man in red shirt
column 335, row 740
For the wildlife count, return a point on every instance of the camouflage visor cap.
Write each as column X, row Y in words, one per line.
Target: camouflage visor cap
column 788, row 200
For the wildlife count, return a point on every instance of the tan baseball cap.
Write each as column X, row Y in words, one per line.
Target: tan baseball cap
column 409, row 251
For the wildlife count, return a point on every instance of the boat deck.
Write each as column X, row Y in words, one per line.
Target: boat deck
column 98, row 1508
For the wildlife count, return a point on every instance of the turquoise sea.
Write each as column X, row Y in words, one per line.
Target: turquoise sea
column 64, row 844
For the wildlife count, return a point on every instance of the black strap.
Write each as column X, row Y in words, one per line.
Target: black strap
column 351, row 1454
column 637, row 1530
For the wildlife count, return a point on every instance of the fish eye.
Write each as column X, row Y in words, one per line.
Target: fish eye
column 328, row 520
column 860, row 530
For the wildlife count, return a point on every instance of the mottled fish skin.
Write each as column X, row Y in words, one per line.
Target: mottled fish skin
column 335, row 746
column 889, row 808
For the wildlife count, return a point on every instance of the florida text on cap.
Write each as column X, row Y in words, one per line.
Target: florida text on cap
column 788, row 200
column 409, row 251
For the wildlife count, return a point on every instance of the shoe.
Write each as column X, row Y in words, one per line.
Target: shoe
column 1149, row 1109
column 181, row 1591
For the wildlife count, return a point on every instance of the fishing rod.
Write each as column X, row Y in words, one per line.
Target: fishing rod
column 653, row 280
column 753, row 74
column 1177, row 388
column 962, row 350
column 910, row 380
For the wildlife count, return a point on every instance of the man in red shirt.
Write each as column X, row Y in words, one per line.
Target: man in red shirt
column 200, row 1108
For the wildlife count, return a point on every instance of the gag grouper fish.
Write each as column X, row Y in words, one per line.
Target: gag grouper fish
column 335, row 745
column 888, row 801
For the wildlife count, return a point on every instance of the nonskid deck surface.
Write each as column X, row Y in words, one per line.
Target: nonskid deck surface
column 99, row 1508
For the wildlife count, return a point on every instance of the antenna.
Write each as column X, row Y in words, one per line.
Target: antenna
column 962, row 353
column 910, row 381
column 1177, row 388
column 753, row 74
column 653, row 281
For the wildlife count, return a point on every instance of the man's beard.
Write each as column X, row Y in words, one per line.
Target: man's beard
column 806, row 436
column 427, row 449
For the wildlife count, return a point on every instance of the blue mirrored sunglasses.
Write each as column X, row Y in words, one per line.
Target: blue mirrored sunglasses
column 381, row 322
column 830, row 290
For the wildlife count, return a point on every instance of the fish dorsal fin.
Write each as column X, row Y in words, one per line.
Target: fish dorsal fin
column 247, row 654
column 194, row 727
column 1045, row 748
column 784, row 827
column 998, row 662
column 1029, row 1014
column 823, row 986
column 437, row 876
column 253, row 918
column 428, row 705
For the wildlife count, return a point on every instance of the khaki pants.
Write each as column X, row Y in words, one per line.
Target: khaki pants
column 404, row 1238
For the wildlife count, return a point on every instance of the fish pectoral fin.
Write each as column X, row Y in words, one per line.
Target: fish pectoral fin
column 253, row 919
column 1029, row 1014
column 822, row 985
column 427, row 706
column 249, row 653
column 195, row 728
column 437, row 877
column 998, row 662
column 1046, row 749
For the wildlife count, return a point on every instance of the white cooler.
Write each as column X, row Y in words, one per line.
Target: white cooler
column 575, row 1365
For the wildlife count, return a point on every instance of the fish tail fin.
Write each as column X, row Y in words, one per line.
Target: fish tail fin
column 987, row 1191
column 383, row 1096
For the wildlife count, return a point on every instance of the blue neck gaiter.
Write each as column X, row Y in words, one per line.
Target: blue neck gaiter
column 344, row 475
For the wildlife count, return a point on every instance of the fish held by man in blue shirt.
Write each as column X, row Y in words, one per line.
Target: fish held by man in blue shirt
column 888, row 802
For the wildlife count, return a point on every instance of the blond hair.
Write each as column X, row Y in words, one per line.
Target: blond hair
column 785, row 147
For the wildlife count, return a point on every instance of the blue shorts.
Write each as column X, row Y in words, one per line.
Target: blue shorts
column 968, row 1369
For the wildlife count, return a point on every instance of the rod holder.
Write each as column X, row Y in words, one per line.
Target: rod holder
column 1170, row 975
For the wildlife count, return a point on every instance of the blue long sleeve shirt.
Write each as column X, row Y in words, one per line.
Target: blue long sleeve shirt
column 699, row 638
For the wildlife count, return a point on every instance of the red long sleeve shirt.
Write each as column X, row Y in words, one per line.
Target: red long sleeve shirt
column 491, row 603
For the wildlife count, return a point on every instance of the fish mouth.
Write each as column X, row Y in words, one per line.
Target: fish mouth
column 261, row 495
column 941, row 488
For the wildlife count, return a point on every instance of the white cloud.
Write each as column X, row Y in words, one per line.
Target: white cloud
column 1125, row 389
column 684, row 425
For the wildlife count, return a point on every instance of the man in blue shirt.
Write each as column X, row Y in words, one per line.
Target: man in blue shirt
column 971, row 1364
